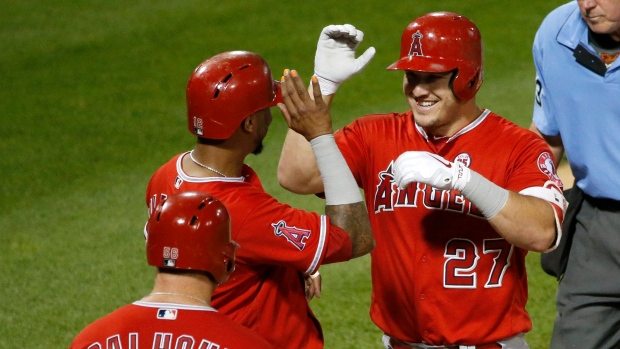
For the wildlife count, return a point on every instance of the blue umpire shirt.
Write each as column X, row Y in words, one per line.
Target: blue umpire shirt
column 578, row 99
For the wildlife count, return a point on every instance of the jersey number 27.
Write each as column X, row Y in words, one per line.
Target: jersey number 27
column 462, row 259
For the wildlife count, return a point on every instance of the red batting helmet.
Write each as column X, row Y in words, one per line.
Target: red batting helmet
column 440, row 42
column 225, row 89
column 191, row 230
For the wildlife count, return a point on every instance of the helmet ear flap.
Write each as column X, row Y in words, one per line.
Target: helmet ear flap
column 465, row 89
column 228, row 262
column 230, row 266
column 222, row 269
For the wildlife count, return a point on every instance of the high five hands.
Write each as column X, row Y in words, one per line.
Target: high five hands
column 334, row 61
column 306, row 115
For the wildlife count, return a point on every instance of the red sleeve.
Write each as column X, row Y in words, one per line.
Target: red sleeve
column 270, row 232
column 340, row 247
column 532, row 165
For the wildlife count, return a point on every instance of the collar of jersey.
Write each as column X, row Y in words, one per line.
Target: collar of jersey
column 574, row 31
column 465, row 129
column 173, row 306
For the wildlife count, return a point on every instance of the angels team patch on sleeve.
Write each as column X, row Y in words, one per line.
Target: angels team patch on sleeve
column 294, row 235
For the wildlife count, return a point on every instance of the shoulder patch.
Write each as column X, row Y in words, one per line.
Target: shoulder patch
column 546, row 166
column 294, row 235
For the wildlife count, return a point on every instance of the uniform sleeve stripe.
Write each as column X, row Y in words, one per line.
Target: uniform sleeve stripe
column 320, row 247
column 551, row 194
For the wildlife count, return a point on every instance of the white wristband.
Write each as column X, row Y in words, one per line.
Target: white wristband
column 488, row 197
column 328, row 87
column 338, row 182
column 315, row 275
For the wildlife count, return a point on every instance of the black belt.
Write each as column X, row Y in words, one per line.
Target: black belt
column 603, row 204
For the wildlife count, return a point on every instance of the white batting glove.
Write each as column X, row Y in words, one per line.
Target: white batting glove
column 431, row 169
column 334, row 61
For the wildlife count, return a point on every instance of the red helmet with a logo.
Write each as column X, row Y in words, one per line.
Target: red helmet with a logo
column 440, row 42
column 225, row 89
column 191, row 230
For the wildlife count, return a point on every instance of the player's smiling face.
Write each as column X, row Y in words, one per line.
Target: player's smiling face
column 435, row 108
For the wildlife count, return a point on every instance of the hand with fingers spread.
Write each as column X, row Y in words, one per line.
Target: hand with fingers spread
column 303, row 114
column 334, row 61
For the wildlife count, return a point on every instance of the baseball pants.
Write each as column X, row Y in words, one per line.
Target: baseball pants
column 588, row 299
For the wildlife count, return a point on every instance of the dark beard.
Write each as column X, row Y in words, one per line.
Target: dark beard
column 258, row 149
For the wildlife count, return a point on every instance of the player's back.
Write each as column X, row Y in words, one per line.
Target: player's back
column 158, row 325
column 278, row 244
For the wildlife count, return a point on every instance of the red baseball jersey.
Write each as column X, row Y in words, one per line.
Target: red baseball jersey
column 440, row 272
column 146, row 325
column 278, row 245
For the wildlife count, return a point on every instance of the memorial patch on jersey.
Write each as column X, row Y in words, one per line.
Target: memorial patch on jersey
column 294, row 235
column 167, row 314
column 464, row 159
column 177, row 182
column 546, row 166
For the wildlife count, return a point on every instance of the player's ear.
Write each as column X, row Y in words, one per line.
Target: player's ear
column 248, row 124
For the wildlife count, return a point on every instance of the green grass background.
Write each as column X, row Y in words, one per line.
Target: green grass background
column 92, row 103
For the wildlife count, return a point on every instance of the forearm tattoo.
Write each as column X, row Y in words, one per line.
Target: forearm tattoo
column 353, row 218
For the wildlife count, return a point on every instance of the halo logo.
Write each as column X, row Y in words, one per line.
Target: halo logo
column 416, row 44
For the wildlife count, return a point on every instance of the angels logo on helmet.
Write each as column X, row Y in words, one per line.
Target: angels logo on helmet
column 416, row 44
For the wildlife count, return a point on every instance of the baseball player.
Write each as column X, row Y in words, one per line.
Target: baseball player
column 190, row 244
column 228, row 99
column 457, row 195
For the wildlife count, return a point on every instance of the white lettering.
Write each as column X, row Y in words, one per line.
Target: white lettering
column 160, row 341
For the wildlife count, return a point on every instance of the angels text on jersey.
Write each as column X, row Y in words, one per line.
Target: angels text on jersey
column 418, row 195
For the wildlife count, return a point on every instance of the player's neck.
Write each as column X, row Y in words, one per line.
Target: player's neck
column 175, row 297
column 213, row 161
column 184, row 288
